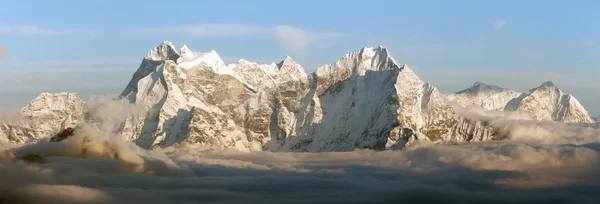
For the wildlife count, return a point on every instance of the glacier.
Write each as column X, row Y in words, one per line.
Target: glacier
column 365, row 100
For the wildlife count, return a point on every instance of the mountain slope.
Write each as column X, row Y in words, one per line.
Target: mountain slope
column 363, row 100
column 42, row 117
column 546, row 102
column 489, row 97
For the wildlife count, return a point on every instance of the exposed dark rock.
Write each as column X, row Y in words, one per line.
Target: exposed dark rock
column 60, row 136
column 32, row 158
column 64, row 134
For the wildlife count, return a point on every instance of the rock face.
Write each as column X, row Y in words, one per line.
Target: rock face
column 364, row 100
column 42, row 117
column 545, row 102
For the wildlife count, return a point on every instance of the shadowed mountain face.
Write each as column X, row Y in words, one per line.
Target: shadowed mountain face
column 364, row 100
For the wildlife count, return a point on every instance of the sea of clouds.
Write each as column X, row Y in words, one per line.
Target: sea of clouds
column 540, row 162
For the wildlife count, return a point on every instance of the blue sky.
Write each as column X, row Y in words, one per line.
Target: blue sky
column 94, row 47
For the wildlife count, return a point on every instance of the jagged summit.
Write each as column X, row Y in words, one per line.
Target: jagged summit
column 165, row 51
column 286, row 61
column 358, row 62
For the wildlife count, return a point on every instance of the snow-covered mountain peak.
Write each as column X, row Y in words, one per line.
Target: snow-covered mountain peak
column 371, row 52
column 185, row 51
column 546, row 88
column 211, row 59
column 357, row 63
column 52, row 101
column 165, row 51
column 489, row 97
column 287, row 61
column 42, row 117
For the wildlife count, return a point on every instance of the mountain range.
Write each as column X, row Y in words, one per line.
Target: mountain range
column 364, row 100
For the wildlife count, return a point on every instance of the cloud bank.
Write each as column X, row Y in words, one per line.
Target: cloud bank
column 95, row 166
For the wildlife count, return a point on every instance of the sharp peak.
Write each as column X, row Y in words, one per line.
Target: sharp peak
column 287, row 57
column 287, row 60
column 168, row 44
column 184, row 47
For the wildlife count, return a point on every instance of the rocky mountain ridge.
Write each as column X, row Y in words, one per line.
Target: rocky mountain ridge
column 364, row 100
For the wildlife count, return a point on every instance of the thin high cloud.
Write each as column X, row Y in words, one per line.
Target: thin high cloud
column 76, row 63
column 12, row 29
column 293, row 38
column 298, row 39
column 216, row 29
column 499, row 24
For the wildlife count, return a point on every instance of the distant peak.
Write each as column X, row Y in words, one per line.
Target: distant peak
column 184, row 47
column 548, row 84
column 185, row 50
column 480, row 86
column 479, row 83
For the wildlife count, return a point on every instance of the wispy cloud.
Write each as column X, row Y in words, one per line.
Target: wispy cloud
column 219, row 30
column 3, row 52
column 296, row 38
column 291, row 37
column 35, row 30
column 499, row 24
